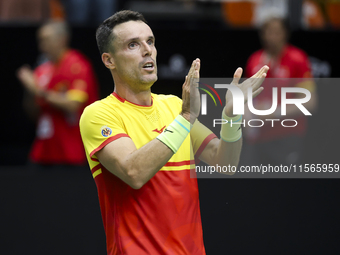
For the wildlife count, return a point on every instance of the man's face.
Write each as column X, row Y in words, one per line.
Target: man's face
column 49, row 43
column 134, row 54
column 274, row 35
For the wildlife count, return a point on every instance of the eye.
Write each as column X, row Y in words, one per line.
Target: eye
column 150, row 41
column 133, row 45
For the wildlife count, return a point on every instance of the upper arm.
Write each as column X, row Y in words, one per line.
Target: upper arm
column 113, row 156
column 81, row 79
column 203, row 141
column 104, row 136
column 209, row 151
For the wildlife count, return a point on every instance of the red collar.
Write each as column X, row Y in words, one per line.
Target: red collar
column 123, row 100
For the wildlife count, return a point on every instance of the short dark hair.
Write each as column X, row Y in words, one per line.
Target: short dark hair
column 104, row 33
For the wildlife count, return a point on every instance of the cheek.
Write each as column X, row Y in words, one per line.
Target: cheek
column 155, row 53
column 128, row 65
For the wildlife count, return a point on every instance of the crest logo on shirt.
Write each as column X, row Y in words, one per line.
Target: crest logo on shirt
column 106, row 131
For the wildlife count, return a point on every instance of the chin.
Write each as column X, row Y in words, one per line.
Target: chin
column 150, row 80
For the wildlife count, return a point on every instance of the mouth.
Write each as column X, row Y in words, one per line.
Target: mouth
column 149, row 66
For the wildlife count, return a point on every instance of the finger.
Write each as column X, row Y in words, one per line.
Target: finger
column 257, row 92
column 264, row 69
column 185, row 82
column 259, row 73
column 237, row 75
column 197, row 68
column 196, row 75
column 257, row 82
column 192, row 73
column 192, row 68
column 195, row 80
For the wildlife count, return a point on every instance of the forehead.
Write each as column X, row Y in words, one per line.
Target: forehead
column 132, row 29
column 274, row 25
column 46, row 31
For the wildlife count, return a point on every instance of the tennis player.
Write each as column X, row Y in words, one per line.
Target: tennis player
column 140, row 146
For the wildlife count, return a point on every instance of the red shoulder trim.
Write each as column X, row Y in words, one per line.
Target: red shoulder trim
column 204, row 144
column 96, row 168
column 107, row 141
column 180, row 163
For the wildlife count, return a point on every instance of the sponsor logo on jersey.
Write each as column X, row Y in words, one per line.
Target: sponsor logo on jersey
column 168, row 130
column 158, row 131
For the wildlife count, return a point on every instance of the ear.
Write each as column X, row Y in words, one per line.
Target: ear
column 108, row 60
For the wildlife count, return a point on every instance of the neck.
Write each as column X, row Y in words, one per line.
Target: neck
column 136, row 97
column 275, row 52
column 58, row 56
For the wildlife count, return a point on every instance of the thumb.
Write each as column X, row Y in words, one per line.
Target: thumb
column 237, row 75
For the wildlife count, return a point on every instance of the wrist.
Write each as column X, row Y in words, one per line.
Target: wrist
column 231, row 131
column 174, row 135
column 41, row 93
column 228, row 110
column 189, row 117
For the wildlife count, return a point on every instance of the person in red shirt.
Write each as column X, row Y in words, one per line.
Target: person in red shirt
column 58, row 91
column 278, row 144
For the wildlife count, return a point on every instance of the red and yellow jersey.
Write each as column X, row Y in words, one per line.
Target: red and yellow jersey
column 58, row 139
column 163, row 217
column 292, row 63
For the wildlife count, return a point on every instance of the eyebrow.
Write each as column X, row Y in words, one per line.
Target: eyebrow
column 138, row 38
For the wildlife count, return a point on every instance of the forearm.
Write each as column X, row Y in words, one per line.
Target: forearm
column 60, row 101
column 141, row 165
column 228, row 153
column 154, row 155
column 226, row 150
column 137, row 166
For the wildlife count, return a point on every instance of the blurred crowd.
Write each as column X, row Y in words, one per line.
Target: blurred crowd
column 57, row 91
column 312, row 14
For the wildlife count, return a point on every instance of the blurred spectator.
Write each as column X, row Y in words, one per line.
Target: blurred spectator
column 278, row 8
column 30, row 11
column 57, row 92
column 333, row 12
column 248, row 13
column 238, row 13
column 312, row 15
column 23, row 10
column 88, row 12
column 278, row 144
column 57, row 10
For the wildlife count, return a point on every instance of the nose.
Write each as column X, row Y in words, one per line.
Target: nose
column 147, row 50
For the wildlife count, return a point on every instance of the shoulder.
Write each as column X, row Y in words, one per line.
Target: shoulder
column 76, row 57
column 252, row 64
column 162, row 97
column 254, row 59
column 101, row 109
column 296, row 54
column 167, row 99
column 255, row 56
column 43, row 67
column 75, row 54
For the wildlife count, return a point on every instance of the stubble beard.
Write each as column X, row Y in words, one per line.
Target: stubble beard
column 142, row 83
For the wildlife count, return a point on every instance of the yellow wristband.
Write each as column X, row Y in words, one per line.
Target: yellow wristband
column 174, row 135
column 231, row 131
